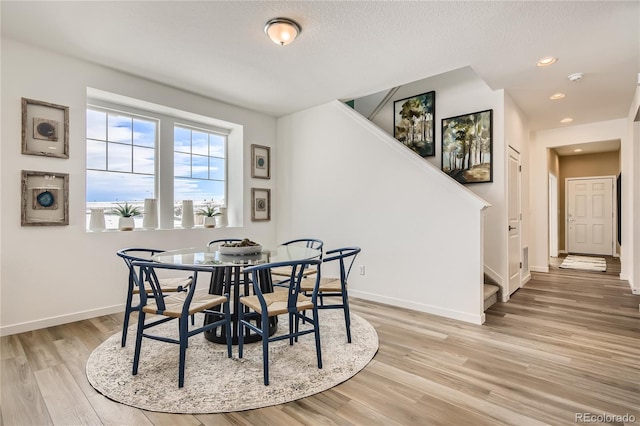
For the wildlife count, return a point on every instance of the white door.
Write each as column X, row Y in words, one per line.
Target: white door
column 514, row 217
column 590, row 215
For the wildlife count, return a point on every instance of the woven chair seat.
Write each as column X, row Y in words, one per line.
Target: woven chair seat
column 175, row 302
column 276, row 303
column 168, row 285
column 285, row 271
column 326, row 285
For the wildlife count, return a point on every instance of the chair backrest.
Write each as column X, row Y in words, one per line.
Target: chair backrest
column 148, row 272
column 346, row 256
column 223, row 241
column 296, row 276
column 129, row 255
column 308, row 243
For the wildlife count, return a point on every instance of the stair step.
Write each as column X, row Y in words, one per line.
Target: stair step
column 490, row 295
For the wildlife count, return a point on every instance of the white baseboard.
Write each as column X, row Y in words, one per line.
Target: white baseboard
column 429, row 309
column 7, row 330
column 526, row 278
column 539, row 268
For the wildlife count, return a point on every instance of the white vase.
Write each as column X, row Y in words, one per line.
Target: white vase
column 126, row 223
column 96, row 219
column 187, row 214
column 210, row 221
column 150, row 214
column 221, row 219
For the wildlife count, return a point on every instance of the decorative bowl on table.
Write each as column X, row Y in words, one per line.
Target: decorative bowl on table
column 241, row 248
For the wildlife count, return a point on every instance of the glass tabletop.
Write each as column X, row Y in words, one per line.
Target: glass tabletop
column 211, row 256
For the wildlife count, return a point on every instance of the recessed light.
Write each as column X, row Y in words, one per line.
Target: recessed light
column 577, row 150
column 566, row 120
column 556, row 96
column 547, row 60
column 575, row 76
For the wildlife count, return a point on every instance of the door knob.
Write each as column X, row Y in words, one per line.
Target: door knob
column 511, row 228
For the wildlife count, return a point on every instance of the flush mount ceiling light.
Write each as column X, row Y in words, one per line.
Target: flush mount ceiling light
column 556, row 96
column 566, row 120
column 546, row 61
column 576, row 76
column 577, row 150
column 282, row 31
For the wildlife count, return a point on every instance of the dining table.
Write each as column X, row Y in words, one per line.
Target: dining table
column 228, row 277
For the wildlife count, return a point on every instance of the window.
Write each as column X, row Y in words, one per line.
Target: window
column 129, row 150
column 199, row 167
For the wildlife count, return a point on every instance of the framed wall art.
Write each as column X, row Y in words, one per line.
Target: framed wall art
column 467, row 143
column 45, row 129
column 414, row 123
column 260, row 162
column 260, row 204
column 45, row 198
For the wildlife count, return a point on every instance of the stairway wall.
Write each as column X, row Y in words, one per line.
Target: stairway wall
column 344, row 180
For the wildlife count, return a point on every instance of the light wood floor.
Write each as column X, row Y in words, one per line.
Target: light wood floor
column 566, row 343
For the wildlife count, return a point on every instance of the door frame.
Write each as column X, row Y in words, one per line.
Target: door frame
column 614, row 213
column 553, row 215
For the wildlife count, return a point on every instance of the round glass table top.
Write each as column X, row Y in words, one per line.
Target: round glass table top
column 211, row 256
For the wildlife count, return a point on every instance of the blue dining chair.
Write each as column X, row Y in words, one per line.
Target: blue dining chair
column 281, row 274
column 169, row 285
column 335, row 287
column 266, row 305
column 177, row 306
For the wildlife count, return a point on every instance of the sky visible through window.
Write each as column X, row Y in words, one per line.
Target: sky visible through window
column 121, row 160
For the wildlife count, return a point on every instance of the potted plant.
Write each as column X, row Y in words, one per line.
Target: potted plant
column 209, row 213
column 126, row 212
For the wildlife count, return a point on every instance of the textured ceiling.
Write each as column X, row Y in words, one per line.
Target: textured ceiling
column 349, row 49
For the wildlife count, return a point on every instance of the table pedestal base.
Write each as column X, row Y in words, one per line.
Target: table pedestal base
column 229, row 279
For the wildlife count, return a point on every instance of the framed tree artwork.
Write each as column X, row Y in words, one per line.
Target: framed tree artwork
column 45, row 198
column 45, row 129
column 414, row 125
column 467, row 143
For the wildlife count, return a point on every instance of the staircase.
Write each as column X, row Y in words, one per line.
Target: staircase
column 491, row 292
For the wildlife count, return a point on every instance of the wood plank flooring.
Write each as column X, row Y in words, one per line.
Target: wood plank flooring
column 566, row 343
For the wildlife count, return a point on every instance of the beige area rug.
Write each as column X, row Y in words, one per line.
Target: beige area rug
column 584, row 263
column 215, row 383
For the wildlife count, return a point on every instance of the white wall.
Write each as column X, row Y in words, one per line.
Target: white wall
column 57, row 274
column 348, row 182
column 541, row 141
column 461, row 92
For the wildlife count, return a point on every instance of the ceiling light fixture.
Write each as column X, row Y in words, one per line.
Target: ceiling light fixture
column 576, row 76
column 282, row 31
column 577, row 150
column 557, row 96
column 566, row 120
column 547, row 60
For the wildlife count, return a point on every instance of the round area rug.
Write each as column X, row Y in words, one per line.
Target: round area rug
column 217, row 384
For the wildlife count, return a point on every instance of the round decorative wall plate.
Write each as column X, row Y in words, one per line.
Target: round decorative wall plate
column 45, row 199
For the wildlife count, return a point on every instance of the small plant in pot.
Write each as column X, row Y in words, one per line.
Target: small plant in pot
column 209, row 213
column 126, row 212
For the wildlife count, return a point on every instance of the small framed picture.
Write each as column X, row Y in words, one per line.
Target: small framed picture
column 45, row 198
column 45, row 129
column 260, row 204
column 260, row 162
